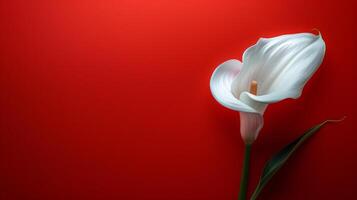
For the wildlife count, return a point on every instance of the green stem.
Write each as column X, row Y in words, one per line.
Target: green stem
column 245, row 173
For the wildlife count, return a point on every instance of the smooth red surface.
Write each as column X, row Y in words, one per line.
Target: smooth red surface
column 110, row 100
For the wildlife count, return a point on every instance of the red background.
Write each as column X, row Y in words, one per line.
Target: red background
column 110, row 100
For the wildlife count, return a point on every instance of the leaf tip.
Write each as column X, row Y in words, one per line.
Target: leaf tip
column 337, row 120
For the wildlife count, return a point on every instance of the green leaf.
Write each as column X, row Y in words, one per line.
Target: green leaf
column 279, row 159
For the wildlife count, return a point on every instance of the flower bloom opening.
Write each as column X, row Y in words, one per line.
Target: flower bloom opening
column 282, row 65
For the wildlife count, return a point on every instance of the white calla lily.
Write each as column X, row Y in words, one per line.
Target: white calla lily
column 281, row 66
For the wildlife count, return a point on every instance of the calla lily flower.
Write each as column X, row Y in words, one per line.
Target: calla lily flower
column 274, row 68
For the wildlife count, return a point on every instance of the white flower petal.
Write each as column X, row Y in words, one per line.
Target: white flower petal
column 221, row 82
column 248, row 99
column 250, row 126
column 281, row 66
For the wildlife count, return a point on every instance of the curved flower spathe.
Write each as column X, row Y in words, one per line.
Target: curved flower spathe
column 281, row 66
